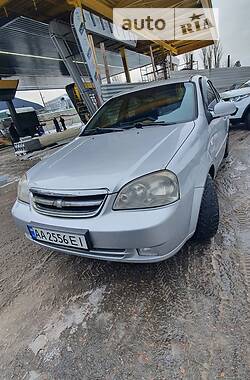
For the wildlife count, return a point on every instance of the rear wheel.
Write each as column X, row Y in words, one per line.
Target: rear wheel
column 208, row 221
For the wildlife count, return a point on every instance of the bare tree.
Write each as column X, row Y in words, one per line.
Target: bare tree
column 207, row 57
column 212, row 55
column 187, row 59
column 217, row 53
column 204, row 57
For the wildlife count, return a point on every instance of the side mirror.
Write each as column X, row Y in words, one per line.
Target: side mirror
column 223, row 109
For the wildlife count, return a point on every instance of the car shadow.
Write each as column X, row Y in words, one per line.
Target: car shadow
column 238, row 126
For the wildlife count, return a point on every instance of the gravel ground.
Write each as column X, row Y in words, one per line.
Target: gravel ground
column 65, row 317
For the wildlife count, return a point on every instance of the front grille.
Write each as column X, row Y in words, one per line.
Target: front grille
column 68, row 204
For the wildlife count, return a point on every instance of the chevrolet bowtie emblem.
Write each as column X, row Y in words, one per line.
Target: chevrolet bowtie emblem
column 58, row 203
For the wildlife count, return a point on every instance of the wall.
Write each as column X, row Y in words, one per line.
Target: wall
column 222, row 78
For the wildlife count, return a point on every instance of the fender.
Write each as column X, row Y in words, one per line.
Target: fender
column 247, row 110
column 197, row 198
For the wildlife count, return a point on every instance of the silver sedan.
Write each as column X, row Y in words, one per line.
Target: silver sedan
column 138, row 182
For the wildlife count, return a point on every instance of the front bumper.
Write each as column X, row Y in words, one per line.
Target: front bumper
column 119, row 235
column 241, row 107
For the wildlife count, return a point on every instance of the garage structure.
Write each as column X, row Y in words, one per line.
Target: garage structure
column 33, row 24
column 47, row 10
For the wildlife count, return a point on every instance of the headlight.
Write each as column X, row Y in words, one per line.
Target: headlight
column 239, row 98
column 152, row 190
column 23, row 190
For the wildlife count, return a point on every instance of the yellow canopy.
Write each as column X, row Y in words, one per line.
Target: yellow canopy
column 46, row 10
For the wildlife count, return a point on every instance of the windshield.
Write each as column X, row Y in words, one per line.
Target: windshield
column 168, row 104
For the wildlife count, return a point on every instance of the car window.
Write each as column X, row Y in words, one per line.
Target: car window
column 212, row 98
column 172, row 103
column 215, row 91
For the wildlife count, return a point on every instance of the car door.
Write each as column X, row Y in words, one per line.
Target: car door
column 218, row 127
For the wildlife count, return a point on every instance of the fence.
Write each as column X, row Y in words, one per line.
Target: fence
column 222, row 78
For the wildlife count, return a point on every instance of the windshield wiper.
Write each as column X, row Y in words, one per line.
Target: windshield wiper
column 163, row 123
column 141, row 125
column 100, row 131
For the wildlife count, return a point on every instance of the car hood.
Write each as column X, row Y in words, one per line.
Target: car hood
column 109, row 160
column 234, row 93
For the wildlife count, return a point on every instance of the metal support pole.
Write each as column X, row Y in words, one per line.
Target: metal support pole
column 229, row 61
column 81, row 37
column 91, row 42
column 14, row 116
column 125, row 64
column 165, row 67
column 153, row 62
column 57, row 36
column 105, row 60
column 171, row 60
column 41, row 96
column 191, row 61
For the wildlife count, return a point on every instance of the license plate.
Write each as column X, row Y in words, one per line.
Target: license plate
column 58, row 238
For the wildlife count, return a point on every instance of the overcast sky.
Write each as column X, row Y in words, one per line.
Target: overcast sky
column 234, row 29
column 35, row 96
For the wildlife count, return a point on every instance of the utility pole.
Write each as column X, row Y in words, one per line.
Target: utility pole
column 41, row 96
column 191, row 61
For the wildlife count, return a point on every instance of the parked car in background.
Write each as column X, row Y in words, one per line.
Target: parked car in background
column 241, row 97
column 138, row 181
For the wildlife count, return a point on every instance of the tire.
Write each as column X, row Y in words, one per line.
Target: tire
column 226, row 154
column 209, row 216
column 247, row 120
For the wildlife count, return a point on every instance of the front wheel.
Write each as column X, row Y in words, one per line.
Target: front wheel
column 247, row 119
column 226, row 154
column 208, row 221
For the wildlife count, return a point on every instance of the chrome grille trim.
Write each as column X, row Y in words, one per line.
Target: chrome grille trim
column 50, row 202
column 71, row 204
